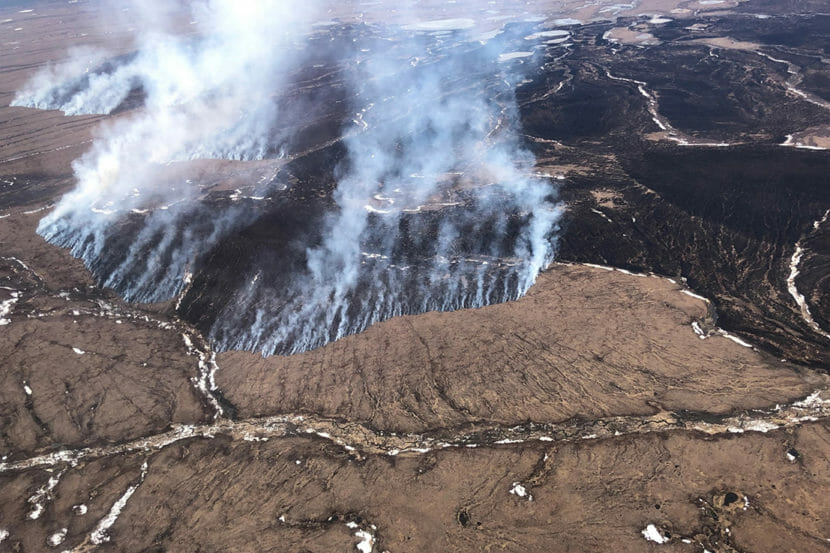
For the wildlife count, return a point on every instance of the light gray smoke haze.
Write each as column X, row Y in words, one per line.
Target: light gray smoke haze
column 205, row 97
column 437, row 205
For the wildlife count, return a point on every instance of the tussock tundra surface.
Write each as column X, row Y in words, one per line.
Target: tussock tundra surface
column 661, row 387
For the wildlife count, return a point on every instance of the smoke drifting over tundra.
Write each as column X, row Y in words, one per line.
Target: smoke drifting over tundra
column 434, row 202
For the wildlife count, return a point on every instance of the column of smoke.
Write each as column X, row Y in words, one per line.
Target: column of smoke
column 205, row 96
column 437, row 205
column 440, row 140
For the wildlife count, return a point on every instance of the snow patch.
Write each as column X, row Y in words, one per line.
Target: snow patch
column 6, row 308
column 99, row 535
column 601, row 214
column 795, row 261
column 652, row 533
column 520, row 491
column 42, row 495
column 692, row 294
column 813, row 401
column 760, row 426
column 57, row 538
column 658, row 20
column 735, row 339
column 206, row 381
column 367, row 541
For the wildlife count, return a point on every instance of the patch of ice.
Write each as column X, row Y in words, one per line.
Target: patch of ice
column 440, row 25
column 547, row 34
column 514, row 55
column 484, row 38
column 616, row 8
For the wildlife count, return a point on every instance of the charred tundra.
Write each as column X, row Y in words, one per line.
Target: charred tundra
column 379, row 171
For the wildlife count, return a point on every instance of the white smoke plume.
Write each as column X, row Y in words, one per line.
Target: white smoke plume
column 205, row 96
column 437, row 205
